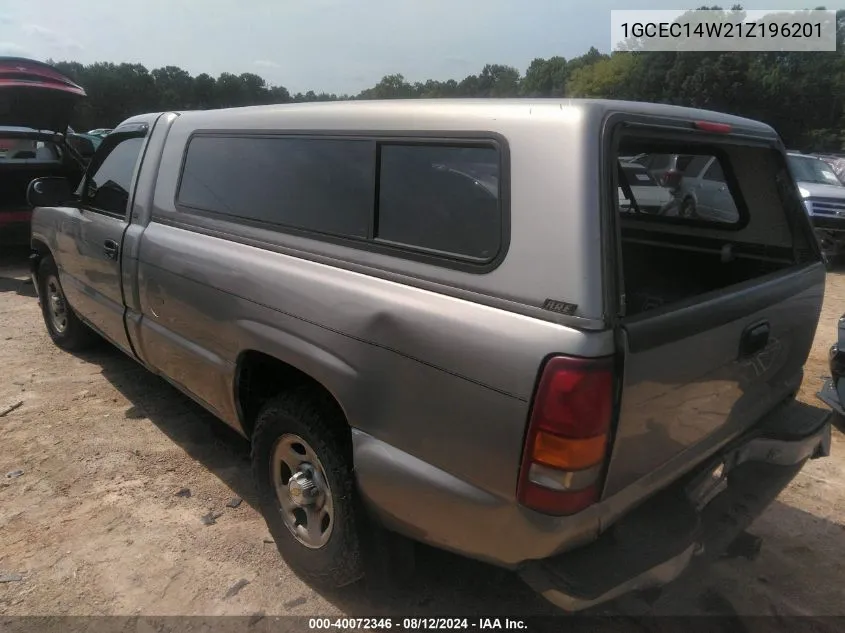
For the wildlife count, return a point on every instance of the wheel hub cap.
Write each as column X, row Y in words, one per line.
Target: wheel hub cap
column 56, row 305
column 303, row 489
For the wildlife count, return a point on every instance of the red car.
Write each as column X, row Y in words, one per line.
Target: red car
column 36, row 103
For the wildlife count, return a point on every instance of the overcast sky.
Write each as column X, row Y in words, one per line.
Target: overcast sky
column 323, row 45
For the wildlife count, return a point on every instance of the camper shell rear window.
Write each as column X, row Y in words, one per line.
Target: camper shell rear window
column 696, row 217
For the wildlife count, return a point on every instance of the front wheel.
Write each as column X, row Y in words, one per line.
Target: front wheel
column 302, row 465
column 65, row 328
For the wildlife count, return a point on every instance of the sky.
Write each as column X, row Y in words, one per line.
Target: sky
column 340, row 46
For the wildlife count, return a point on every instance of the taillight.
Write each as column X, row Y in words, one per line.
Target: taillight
column 712, row 126
column 567, row 440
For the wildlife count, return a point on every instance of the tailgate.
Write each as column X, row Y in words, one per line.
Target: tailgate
column 719, row 303
column 695, row 378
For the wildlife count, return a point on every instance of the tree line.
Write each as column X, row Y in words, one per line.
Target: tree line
column 801, row 94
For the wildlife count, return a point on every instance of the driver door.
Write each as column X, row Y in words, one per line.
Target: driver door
column 92, row 269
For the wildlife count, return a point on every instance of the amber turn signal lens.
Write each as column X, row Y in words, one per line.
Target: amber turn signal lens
column 568, row 454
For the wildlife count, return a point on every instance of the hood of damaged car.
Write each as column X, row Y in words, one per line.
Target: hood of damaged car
column 36, row 95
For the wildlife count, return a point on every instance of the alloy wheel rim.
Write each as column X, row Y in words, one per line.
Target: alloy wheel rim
column 302, row 491
column 56, row 304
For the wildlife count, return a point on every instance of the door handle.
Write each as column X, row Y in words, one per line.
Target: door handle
column 110, row 248
column 754, row 338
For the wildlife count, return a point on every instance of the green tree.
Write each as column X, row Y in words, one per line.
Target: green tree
column 175, row 88
column 204, row 91
column 609, row 78
column 497, row 80
column 229, row 91
column 545, row 78
column 587, row 59
column 390, row 87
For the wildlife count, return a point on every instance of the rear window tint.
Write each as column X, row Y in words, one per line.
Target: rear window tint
column 440, row 198
column 695, row 190
column 435, row 200
column 322, row 185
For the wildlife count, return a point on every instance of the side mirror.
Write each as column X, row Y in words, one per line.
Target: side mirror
column 48, row 192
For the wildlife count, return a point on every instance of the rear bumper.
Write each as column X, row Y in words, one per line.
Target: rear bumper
column 692, row 522
column 414, row 498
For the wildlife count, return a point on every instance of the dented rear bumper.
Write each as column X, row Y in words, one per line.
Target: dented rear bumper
column 694, row 521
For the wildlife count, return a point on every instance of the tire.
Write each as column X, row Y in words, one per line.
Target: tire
column 313, row 422
column 65, row 328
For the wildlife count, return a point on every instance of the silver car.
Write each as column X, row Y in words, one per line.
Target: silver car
column 697, row 184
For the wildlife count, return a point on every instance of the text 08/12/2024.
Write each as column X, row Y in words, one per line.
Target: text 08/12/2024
column 413, row 624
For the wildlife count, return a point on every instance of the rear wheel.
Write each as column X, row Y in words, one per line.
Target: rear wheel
column 64, row 327
column 302, row 464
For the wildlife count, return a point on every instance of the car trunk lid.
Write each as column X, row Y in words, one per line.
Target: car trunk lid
column 36, row 95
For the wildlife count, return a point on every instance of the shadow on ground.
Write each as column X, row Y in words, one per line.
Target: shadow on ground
column 14, row 271
column 446, row 584
column 200, row 434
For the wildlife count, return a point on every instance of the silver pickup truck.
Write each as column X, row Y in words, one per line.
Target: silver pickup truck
column 436, row 317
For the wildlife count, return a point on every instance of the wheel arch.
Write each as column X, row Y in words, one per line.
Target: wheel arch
column 260, row 376
column 38, row 251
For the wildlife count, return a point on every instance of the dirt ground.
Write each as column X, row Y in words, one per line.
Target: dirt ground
column 95, row 524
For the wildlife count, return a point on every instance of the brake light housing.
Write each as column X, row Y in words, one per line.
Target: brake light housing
column 567, row 440
column 712, row 126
